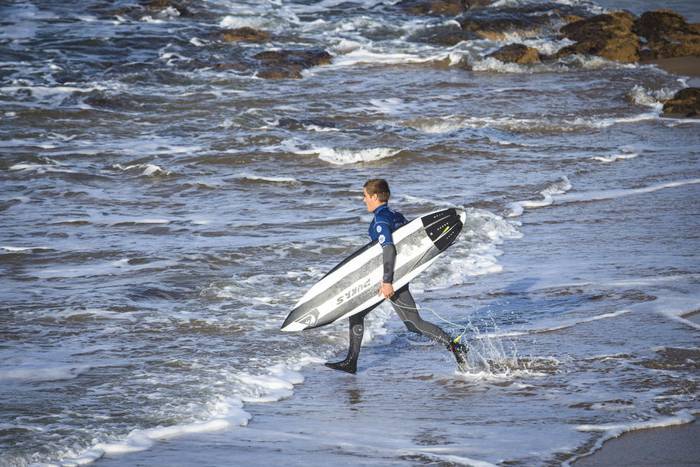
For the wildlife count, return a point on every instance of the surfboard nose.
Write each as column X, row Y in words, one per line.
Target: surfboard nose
column 294, row 326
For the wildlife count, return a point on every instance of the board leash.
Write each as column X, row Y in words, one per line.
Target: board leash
column 457, row 339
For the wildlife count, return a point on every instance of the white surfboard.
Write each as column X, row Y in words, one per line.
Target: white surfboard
column 353, row 285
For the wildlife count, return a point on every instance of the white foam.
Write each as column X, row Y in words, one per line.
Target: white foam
column 197, row 42
column 620, row 193
column 615, row 157
column 453, row 123
column 33, row 374
column 147, row 170
column 613, row 430
column 555, row 326
column 249, row 176
column 477, row 256
column 648, row 98
column 349, row 156
column 140, row 440
column 557, row 188
column 364, row 56
column 235, row 22
column 20, row 249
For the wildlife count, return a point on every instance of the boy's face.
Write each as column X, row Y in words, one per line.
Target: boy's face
column 371, row 201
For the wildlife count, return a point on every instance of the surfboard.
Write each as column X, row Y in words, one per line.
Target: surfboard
column 353, row 285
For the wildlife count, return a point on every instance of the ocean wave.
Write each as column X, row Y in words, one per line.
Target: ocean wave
column 339, row 156
column 475, row 255
column 554, row 326
column 615, row 157
column 37, row 374
column 552, row 124
column 614, row 430
column 146, row 170
column 650, row 98
column 599, row 195
column 262, row 178
column 557, row 188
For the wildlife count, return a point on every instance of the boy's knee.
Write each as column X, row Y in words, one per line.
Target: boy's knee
column 411, row 327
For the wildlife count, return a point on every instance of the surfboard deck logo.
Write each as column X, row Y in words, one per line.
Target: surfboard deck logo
column 352, row 286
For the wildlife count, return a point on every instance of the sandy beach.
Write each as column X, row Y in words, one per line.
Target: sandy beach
column 671, row 447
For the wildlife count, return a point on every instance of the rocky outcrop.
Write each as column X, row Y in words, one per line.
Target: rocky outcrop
column 160, row 5
column 496, row 26
column 516, row 53
column 244, row 34
column 667, row 35
column 686, row 103
column 609, row 36
column 440, row 7
column 286, row 64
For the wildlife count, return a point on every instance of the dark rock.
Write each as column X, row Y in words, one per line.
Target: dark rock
column 495, row 25
column 303, row 58
column 159, row 5
column 448, row 35
column 434, row 7
column 288, row 64
column 667, row 35
column 686, row 103
column 288, row 72
column 516, row 53
column 244, row 34
column 609, row 36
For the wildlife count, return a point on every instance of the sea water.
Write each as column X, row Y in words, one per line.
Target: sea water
column 160, row 217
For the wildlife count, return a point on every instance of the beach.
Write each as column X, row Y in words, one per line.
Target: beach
column 175, row 176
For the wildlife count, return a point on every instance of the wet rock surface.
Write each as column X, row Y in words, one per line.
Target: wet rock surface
column 285, row 64
column 245, row 34
column 435, row 7
column 667, row 35
column 516, row 53
column 686, row 103
column 609, row 36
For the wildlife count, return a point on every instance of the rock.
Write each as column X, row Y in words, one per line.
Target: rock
column 159, row 5
column 447, row 34
column 244, row 34
column 686, row 103
column 609, row 36
column 667, row 35
column 288, row 64
column 434, row 7
column 496, row 25
column 516, row 53
column 289, row 72
column 303, row 58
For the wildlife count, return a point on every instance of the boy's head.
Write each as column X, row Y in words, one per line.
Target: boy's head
column 376, row 192
column 379, row 187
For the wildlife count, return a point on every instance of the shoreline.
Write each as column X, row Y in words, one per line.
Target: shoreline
column 668, row 446
column 682, row 66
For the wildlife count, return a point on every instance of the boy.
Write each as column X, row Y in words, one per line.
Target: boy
column 385, row 222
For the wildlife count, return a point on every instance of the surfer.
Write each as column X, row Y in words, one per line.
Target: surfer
column 386, row 220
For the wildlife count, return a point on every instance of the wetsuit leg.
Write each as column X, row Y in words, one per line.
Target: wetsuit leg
column 357, row 330
column 406, row 308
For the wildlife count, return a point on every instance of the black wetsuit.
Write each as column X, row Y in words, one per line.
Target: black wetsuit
column 385, row 221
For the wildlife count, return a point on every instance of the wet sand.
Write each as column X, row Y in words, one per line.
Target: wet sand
column 683, row 66
column 670, row 447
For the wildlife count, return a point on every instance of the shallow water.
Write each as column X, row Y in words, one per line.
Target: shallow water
column 161, row 217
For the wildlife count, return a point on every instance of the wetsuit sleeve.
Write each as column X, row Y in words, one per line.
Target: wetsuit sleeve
column 389, row 260
column 384, row 236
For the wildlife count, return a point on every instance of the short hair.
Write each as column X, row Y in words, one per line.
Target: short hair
column 379, row 187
